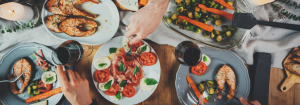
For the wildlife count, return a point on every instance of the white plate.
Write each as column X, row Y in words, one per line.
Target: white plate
column 149, row 72
column 108, row 18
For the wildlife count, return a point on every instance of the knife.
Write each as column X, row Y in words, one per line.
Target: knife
column 43, row 59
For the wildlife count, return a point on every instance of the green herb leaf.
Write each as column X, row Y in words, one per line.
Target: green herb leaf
column 30, row 25
column 136, row 69
column 204, row 58
column 144, row 48
column 33, row 56
column 102, row 64
column 150, row 81
column 14, row 29
column 107, row 85
column 21, row 27
column 123, row 83
column 112, row 50
column 118, row 95
column 49, row 79
column 122, row 67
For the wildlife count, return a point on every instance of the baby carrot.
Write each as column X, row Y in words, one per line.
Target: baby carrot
column 222, row 2
column 44, row 95
column 197, row 92
column 216, row 11
column 197, row 23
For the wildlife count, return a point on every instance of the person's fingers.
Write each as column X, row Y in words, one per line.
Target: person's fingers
column 71, row 75
column 61, row 74
column 201, row 100
column 135, row 40
column 77, row 75
column 243, row 101
column 255, row 102
column 131, row 31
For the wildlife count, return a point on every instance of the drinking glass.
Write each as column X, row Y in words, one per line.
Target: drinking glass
column 188, row 53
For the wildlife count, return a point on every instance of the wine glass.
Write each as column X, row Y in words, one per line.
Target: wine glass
column 188, row 53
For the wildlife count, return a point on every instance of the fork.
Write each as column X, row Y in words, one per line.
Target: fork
column 12, row 80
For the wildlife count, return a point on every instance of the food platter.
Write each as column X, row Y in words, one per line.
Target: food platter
column 153, row 71
column 6, row 68
column 108, row 22
column 218, row 59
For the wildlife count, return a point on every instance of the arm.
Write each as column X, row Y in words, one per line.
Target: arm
column 146, row 20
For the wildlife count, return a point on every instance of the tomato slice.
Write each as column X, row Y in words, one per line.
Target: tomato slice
column 128, row 91
column 113, row 89
column 42, row 87
column 199, row 69
column 135, row 46
column 148, row 58
column 102, row 76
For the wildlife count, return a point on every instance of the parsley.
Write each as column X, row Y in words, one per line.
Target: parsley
column 102, row 64
column 107, row 85
column 150, row 81
column 136, row 69
column 204, row 58
column 144, row 48
column 49, row 79
column 123, row 83
column 112, row 50
column 118, row 95
column 122, row 67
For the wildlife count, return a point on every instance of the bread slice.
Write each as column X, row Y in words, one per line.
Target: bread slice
column 127, row 5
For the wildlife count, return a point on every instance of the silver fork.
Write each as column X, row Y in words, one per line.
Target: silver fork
column 192, row 94
column 12, row 80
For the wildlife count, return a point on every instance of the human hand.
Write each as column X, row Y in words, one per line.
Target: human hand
column 75, row 88
column 201, row 100
column 244, row 102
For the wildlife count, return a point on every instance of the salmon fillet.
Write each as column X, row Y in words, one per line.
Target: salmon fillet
column 53, row 21
column 52, row 6
column 67, row 7
column 21, row 66
column 225, row 73
column 70, row 27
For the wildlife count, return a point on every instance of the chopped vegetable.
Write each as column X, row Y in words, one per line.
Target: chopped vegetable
column 209, row 18
column 197, row 15
column 216, row 17
column 31, row 94
column 34, row 87
column 212, row 3
column 203, row 2
column 185, row 23
column 178, row 22
column 36, row 92
column 216, row 11
column 195, row 1
column 211, row 91
column 218, row 22
column 197, row 30
column 190, row 27
column 228, row 33
column 49, row 79
column 179, row 9
column 219, row 38
column 208, row 97
column 190, row 14
column 215, row 6
column 43, row 95
column 227, row 5
column 203, row 11
column 187, row 2
column 197, row 23
column 143, row 2
column 174, row 16
column 210, row 83
column 204, row 20
column 197, row 9
column 220, row 7
column 29, row 90
column 192, row 84
column 206, row 34
column 169, row 20
column 230, row 3
column 212, row 35
column 177, row 1
column 201, row 87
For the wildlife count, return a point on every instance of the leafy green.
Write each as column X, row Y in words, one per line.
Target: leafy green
column 112, row 50
column 123, row 83
column 49, row 79
column 122, row 66
column 208, row 97
column 30, row 25
column 144, row 48
column 107, row 85
column 204, row 58
column 33, row 56
column 150, row 81
column 118, row 95
column 102, row 64
column 136, row 69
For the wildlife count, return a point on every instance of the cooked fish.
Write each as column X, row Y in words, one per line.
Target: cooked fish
column 297, row 52
column 71, row 27
column 225, row 73
column 67, row 7
column 293, row 67
column 21, row 66
column 52, row 6
column 296, row 59
column 53, row 21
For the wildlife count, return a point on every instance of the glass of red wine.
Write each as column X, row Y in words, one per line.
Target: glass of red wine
column 188, row 53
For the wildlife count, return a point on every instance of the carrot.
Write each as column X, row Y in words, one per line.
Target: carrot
column 143, row 2
column 44, row 95
column 216, row 11
column 197, row 92
column 197, row 23
column 222, row 2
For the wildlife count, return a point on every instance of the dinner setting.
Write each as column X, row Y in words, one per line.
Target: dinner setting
column 156, row 52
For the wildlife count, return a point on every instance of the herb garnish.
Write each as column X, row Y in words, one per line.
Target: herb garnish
column 102, row 64
column 107, row 85
column 112, row 50
column 49, row 79
column 136, row 69
column 123, row 83
column 121, row 67
column 150, row 81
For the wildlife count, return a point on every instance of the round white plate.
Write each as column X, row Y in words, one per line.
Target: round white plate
column 149, row 72
column 108, row 19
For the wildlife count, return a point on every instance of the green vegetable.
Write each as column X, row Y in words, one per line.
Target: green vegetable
column 150, row 81
column 212, row 3
column 34, row 87
column 216, row 17
column 204, row 11
column 218, row 22
column 36, row 101
column 177, row 1
column 36, row 92
column 174, row 16
column 228, row 33
column 197, row 30
column 179, row 9
column 215, row 6
column 211, row 91
column 112, row 50
column 49, row 79
column 190, row 27
column 102, row 64
column 31, row 94
column 204, row 58
column 118, row 95
column 203, row 20
column 197, row 9
column 169, row 20
column 178, row 22
column 210, row 83
column 212, row 35
column 33, row 56
column 219, row 38
column 190, row 15
column 185, row 23
column 136, row 70
column 187, row 2
column 203, row 2
column 206, row 34
column 197, row 15
column 122, row 66
column 201, row 87
column 108, row 84
column 216, row 32
column 195, row 1
column 209, row 19
column 208, row 97
column 30, row 25
column 123, row 83
column 144, row 48
column 231, row 28
column 225, row 28
column 230, row 3
column 221, row 7
column 29, row 90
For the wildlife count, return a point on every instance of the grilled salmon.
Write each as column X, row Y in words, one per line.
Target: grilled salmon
column 71, row 27
column 225, row 73
column 53, row 21
column 52, row 6
column 67, row 7
column 21, row 66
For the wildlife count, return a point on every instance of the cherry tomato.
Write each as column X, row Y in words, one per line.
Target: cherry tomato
column 102, row 76
column 42, row 87
column 148, row 58
column 128, row 91
column 113, row 89
column 199, row 69
column 135, row 46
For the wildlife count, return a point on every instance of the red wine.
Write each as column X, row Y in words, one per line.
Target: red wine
column 63, row 55
column 188, row 53
column 191, row 56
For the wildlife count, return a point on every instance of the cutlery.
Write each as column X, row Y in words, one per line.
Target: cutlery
column 12, row 80
column 128, row 54
column 232, row 96
column 44, row 59
column 247, row 21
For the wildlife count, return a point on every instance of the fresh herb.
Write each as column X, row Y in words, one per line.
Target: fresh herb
column 107, row 85
column 144, row 48
column 102, row 64
column 33, row 56
column 49, row 79
column 112, row 50
column 123, row 83
column 208, row 97
column 118, row 95
column 30, row 25
column 200, row 75
column 204, row 58
column 150, row 81
column 121, row 67
column 14, row 29
column 136, row 69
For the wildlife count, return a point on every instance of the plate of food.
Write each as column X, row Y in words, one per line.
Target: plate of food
column 122, row 80
column 91, row 22
column 219, row 73
column 39, row 81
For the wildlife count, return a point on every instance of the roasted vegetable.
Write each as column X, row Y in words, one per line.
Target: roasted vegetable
column 36, row 92
column 195, row 1
column 197, row 30
column 190, row 15
column 197, row 9
column 216, row 17
column 211, row 3
column 179, row 9
column 219, row 38
column 216, row 32
column 203, row 20
column 197, row 23
column 230, row 3
column 203, row 2
column 231, row 28
column 218, row 22
column 211, row 91
column 206, row 34
column 177, row 1
column 212, row 35
column 210, row 83
column 29, row 90
column 185, row 23
column 34, row 87
column 197, row 15
column 209, row 19
column 187, row 2
column 215, row 6
column 204, row 11
column 190, row 27
column 178, row 22
column 228, row 33
column 181, row 4
column 220, row 7
column 174, row 16
column 169, row 20
column 201, row 87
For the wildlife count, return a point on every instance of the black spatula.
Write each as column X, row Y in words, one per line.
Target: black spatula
column 247, row 21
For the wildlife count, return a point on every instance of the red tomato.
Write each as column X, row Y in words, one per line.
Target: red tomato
column 199, row 69
column 102, row 76
column 42, row 87
column 148, row 58
column 128, row 91
column 135, row 46
column 113, row 89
